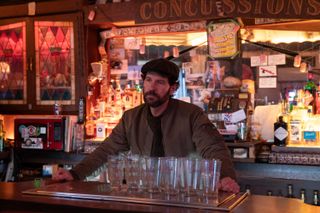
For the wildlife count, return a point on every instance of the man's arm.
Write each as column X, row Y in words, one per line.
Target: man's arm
column 114, row 144
column 210, row 145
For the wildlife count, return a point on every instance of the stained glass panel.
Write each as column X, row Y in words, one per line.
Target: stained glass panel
column 13, row 86
column 54, row 42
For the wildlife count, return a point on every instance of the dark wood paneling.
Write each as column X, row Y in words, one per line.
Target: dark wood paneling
column 13, row 10
column 58, row 6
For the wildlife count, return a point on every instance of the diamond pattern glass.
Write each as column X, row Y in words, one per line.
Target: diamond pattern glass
column 54, row 43
column 13, row 86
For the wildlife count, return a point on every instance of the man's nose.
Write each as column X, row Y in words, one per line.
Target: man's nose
column 152, row 85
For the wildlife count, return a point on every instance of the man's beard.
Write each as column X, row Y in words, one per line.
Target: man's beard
column 158, row 101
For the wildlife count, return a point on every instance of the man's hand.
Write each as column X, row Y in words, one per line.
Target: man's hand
column 62, row 175
column 227, row 184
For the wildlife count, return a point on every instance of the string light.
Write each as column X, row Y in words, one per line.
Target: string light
column 297, row 61
column 303, row 67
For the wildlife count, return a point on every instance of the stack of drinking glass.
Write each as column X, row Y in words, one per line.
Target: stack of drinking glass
column 164, row 175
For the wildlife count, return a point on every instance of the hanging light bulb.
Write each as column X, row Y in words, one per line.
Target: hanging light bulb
column 166, row 54
column 175, row 52
column 303, row 67
column 297, row 61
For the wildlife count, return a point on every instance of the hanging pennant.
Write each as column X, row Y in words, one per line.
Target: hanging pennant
column 175, row 52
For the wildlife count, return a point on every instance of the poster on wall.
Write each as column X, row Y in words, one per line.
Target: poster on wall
column 277, row 59
column 268, row 82
column 132, row 43
column 261, row 60
column 193, row 78
column 267, row 71
column 223, row 39
column 134, row 72
column 118, row 63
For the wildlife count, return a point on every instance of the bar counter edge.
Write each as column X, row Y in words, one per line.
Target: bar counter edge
column 12, row 200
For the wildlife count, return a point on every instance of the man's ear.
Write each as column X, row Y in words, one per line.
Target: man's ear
column 174, row 87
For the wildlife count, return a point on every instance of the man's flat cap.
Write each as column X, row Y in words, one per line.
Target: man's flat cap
column 163, row 67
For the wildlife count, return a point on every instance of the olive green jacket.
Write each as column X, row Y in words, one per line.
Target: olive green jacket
column 186, row 130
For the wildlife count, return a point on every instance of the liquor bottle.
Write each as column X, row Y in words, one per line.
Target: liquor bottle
column 2, row 134
column 290, row 191
column 315, row 197
column 303, row 195
column 248, row 189
column 82, row 110
column 280, row 132
column 90, row 126
column 317, row 102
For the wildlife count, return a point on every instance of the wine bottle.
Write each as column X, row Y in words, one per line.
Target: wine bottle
column 280, row 132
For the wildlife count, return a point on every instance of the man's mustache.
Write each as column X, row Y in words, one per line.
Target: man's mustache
column 151, row 93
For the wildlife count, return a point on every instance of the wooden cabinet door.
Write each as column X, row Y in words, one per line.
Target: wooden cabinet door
column 41, row 64
column 54, row 62
column 13, row 60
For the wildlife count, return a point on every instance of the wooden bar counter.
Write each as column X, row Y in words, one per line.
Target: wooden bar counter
column 12, row 200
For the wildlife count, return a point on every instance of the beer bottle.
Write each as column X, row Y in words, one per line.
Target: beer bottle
column 315, row 197
column 290, row 191
column 303, row 195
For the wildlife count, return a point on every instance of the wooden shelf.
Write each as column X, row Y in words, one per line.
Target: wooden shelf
column 245, row 160
column 48, row 157
column 243, row 144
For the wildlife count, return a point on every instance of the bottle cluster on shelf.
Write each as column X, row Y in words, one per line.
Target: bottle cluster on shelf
column 299, row 121
column 105, row 112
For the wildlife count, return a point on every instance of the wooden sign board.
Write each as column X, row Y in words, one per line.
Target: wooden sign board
column 223, row 39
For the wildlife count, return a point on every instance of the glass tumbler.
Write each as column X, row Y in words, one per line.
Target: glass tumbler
column 190, row 175
column 169, row 175
column 115, row 171
column 133, row 172
column 210, row 175
column 150, row 174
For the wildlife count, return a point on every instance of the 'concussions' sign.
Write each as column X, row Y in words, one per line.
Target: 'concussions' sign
column 171, row 10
